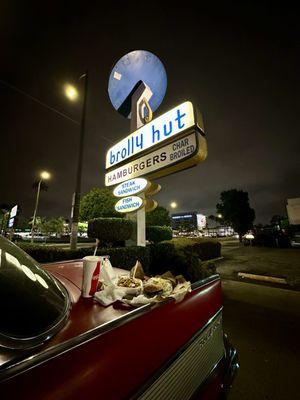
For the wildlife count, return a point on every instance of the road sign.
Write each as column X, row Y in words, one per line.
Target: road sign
column 133, row 68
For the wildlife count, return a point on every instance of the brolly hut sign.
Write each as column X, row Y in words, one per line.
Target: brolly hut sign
column 155, row 148
column 158, row 154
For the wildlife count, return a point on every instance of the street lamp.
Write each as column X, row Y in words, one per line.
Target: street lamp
column 173, row 204
column 72, row 94
column 219, row 215
column 44, row 175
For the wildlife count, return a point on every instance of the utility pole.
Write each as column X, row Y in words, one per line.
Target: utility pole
column 77, row 194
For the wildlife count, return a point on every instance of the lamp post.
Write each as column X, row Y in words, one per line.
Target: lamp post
column 72, row 95
column 45, row 175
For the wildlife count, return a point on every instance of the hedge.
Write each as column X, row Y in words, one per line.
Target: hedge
column 123, row 257
column 180, row 260
column 109, row 230
column 156, row 234
column 155, row 258
column 207, row 249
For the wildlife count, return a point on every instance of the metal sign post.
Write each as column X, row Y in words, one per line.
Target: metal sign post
column 140, row 102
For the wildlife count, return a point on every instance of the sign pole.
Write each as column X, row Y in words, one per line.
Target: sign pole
column 139, row 102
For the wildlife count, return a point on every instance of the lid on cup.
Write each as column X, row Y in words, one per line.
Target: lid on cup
column 94, row 258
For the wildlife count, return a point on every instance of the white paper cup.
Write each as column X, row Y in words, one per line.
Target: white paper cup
column 91, row 272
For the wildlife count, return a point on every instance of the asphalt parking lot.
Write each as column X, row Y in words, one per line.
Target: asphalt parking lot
column 274, row 262
column 263, row 323
column 262, row 320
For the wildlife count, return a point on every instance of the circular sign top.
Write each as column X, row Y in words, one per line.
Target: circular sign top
column 136, row 66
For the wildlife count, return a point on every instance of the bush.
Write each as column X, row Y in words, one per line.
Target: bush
column 109, row 230
column 124, row 257
column 155, row 258
column 156, row 234
column 207, row 250
column 180, row 260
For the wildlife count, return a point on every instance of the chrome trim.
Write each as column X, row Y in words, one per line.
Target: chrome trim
column 175, row 356
column 204, row 281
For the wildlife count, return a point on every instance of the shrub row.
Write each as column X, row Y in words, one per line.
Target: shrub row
column 155, row 258
column 156, row 234
column 180, row 260
column 206, row 250
column 109, row 230
column 123, row 257
column 112, row 230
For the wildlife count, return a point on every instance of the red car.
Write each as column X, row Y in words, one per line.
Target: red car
column 54, row 344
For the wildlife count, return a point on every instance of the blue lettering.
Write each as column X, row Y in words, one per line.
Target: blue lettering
column 179, row 116
column 128, row 146
column 141, row 143
column 112, row 158
column 123, row 153
column 170, row 129
column 157, row 133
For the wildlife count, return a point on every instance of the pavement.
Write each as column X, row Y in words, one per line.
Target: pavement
column 263, row 323
column 266, row 261
column 262, row 320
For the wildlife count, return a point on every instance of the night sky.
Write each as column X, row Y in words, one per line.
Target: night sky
column 239, row 65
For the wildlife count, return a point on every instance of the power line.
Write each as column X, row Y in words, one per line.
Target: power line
column 38, row 101
column 29, row 96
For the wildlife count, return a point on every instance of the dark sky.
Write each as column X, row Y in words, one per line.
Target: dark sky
column 239, row 65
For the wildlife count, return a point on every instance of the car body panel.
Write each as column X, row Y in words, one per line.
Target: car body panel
column 109, row 352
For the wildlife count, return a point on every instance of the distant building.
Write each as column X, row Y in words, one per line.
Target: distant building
column 293, row 210
column 188, row 221
column 192, row 221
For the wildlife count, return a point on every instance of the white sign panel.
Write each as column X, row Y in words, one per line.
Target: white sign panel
column 157, row 131
column 170, row 154
column 129, row 204
column 133, row 186
column 11, row 222
column 201, row 221
column 13, row 212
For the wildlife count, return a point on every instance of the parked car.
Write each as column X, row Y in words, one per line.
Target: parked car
column 37, row 237
column 55, row 344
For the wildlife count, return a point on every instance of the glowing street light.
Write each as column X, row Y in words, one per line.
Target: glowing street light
column 219, row 216
column 173, row 204
column 71, row 92
column 44, row 175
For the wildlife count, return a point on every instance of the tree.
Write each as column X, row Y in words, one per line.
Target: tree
column 236, row 211
column 158, row 217
column 276, row 220
column 53, row 226
column 98, row 203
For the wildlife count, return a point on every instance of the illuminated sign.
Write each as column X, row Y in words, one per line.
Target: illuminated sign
column 178, row 155
column 133, row 186
column 13, row 212
column 157, row 131
column 129, row 204
column 11, row 222
column 201, row 221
